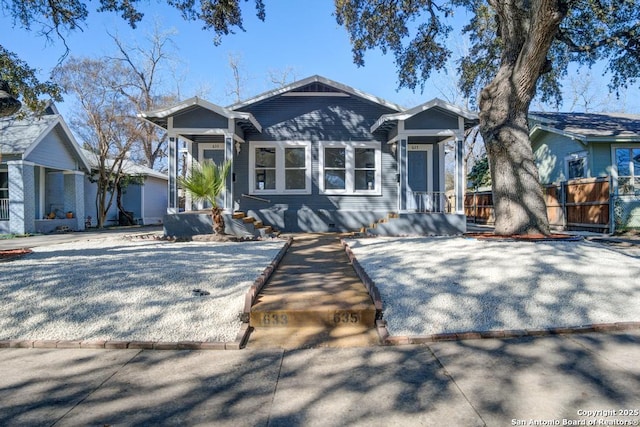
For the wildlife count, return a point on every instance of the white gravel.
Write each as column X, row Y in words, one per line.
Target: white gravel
column 117, row 289
column 455, row 284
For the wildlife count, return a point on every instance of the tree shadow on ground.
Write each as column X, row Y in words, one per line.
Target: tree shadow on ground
column 484, row 382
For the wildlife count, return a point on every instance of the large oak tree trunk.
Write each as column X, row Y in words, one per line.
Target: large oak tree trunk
column 527, row 29
column 517, row 195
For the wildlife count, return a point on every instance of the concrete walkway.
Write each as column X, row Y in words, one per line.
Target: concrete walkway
column 313, row 299
column 468, row 383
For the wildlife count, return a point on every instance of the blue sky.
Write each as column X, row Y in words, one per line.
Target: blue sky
column 298, row 35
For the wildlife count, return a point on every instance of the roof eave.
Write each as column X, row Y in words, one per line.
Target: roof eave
column 314, row 79
column 164, row 113
column 72, row 141
column 435, row 102
column 571, row 135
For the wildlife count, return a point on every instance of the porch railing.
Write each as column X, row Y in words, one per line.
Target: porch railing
column 434, row 202
column 4, row 209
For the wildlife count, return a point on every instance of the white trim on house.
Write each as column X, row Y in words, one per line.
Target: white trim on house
column 350, row 168
column 216, row 146
column 614, row 164
column 573, row 136
column 316, row 79
column 329, row 94
column 581, row 155
column 435, row 102
column 196, row 101
column 73, row 143
column 280, row 170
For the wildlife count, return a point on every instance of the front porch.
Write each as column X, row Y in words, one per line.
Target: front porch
column 38, row 199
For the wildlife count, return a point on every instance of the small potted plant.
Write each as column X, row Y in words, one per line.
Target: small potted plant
column 69, row 214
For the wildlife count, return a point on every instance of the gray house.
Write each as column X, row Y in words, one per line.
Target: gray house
column 318, row 155
column 45, row 180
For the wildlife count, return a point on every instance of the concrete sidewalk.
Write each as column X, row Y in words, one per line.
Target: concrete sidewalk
column 466, row 383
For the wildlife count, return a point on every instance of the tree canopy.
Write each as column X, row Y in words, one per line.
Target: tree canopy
column 55, row 18
column 519, row 49
column 416, row 32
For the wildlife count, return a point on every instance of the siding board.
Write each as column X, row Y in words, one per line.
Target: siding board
column 433, row 118
column 317, row 119
column 54, row 152
column 200, row 118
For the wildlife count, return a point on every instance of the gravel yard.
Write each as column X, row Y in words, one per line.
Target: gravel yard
column 435, row 285
column 118, row 289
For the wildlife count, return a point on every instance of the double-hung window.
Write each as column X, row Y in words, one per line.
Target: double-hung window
column 282, row 167
column 4, row 195
column 350, row 168
column 576, row 165
column 628, row 169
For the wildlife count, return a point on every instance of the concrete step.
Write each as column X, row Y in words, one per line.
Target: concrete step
column 248, row 219
column 326, row 317
column 313, row 337
column 238, row 215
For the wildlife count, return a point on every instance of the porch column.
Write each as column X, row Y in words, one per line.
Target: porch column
column 74, row 196
column 22, row 199
column 459, row 177
column 402, row 162
column 187, row 164
column 172, row 163
column 228, row 188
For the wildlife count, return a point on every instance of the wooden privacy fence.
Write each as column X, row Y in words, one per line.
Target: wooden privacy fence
column 581, row 204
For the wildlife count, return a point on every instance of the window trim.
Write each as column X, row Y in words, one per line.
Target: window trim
column 215, row 146
column 5, row 170
column 350, row 167
column 614, row 165
column 280, row 168
column 584, row 155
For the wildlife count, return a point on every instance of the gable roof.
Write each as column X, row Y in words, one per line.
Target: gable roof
column 388, row 120
column 603, row 127
column 128, row 167
column 159, row 117
column 22, row 136
column 315, row 84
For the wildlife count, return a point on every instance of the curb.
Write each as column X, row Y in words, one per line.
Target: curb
column 507, row 334
column 364, row 278
column 121, row 345
column 238, row 344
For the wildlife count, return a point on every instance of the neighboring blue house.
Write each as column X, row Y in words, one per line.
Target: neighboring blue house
column 318, row 155
column 585, row 145
column 36, row 153
column 145, row 198
column 44, row 174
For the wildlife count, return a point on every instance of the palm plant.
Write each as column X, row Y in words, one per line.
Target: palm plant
column 205, row 182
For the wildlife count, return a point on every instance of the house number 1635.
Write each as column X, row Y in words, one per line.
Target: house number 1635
column 345, row 317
